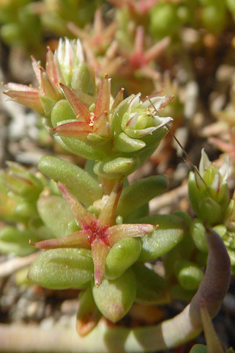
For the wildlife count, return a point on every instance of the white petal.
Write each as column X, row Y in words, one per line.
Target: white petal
column 217, row 181
column 204, row 162
column 60, row 51
column 134, row 102
column 132, row 121
column 199, row 181
column 161, row 121
column 68, row 55
column 224, row 169
column 79, row 51
column 156, row 101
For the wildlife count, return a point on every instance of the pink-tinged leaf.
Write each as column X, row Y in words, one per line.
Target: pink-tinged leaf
column 58, row 69
column 118, row 99
column 98, row 24
column 51, row 68
column 48, row 87
column 74, row 240
column 121, row 231
column 18, row 87
column 107, row 215
column 29, row 98
column 36, row 70
column 101, row 124
column 75, row 129
column 102, row 101
column 156, row 50
column 139, row 40
column 99, row 252
column 80, row 213
column 80, row 110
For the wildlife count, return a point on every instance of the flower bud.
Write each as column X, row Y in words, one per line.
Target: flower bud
column 208, row 191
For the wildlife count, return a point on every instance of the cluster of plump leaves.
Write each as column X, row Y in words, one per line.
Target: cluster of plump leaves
column 126, row 277
column 19, row 193
column 211, row 202
column 97, row 234
column 119, row 134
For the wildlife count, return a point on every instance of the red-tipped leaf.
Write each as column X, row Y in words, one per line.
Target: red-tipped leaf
column 80, row 110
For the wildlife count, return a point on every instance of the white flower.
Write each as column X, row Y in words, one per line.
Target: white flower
column 211, row 174
column 142, row 118
column 68, row 55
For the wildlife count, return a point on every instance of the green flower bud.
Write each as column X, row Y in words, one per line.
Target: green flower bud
column 209, row 194
column 62, row 269
column 114, row 298
column 69, row 55
column 141, row 118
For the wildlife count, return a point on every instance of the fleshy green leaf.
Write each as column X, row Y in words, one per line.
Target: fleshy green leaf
column 169, row 233
column 80, row 148
column 88, row 314
column 16, row 241
column 139, row 193
column 151, row 287
column 57, row 215
column 124, row 143
column 114, row 298
column 198, row 348
column 121, row 256
column 188, row 274
column 62, row 268
column 116, row 167
column 61, row 111
column 85, row 188
column 198, row 235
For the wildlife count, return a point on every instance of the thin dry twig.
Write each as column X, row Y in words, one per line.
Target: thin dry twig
column 7, row 268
